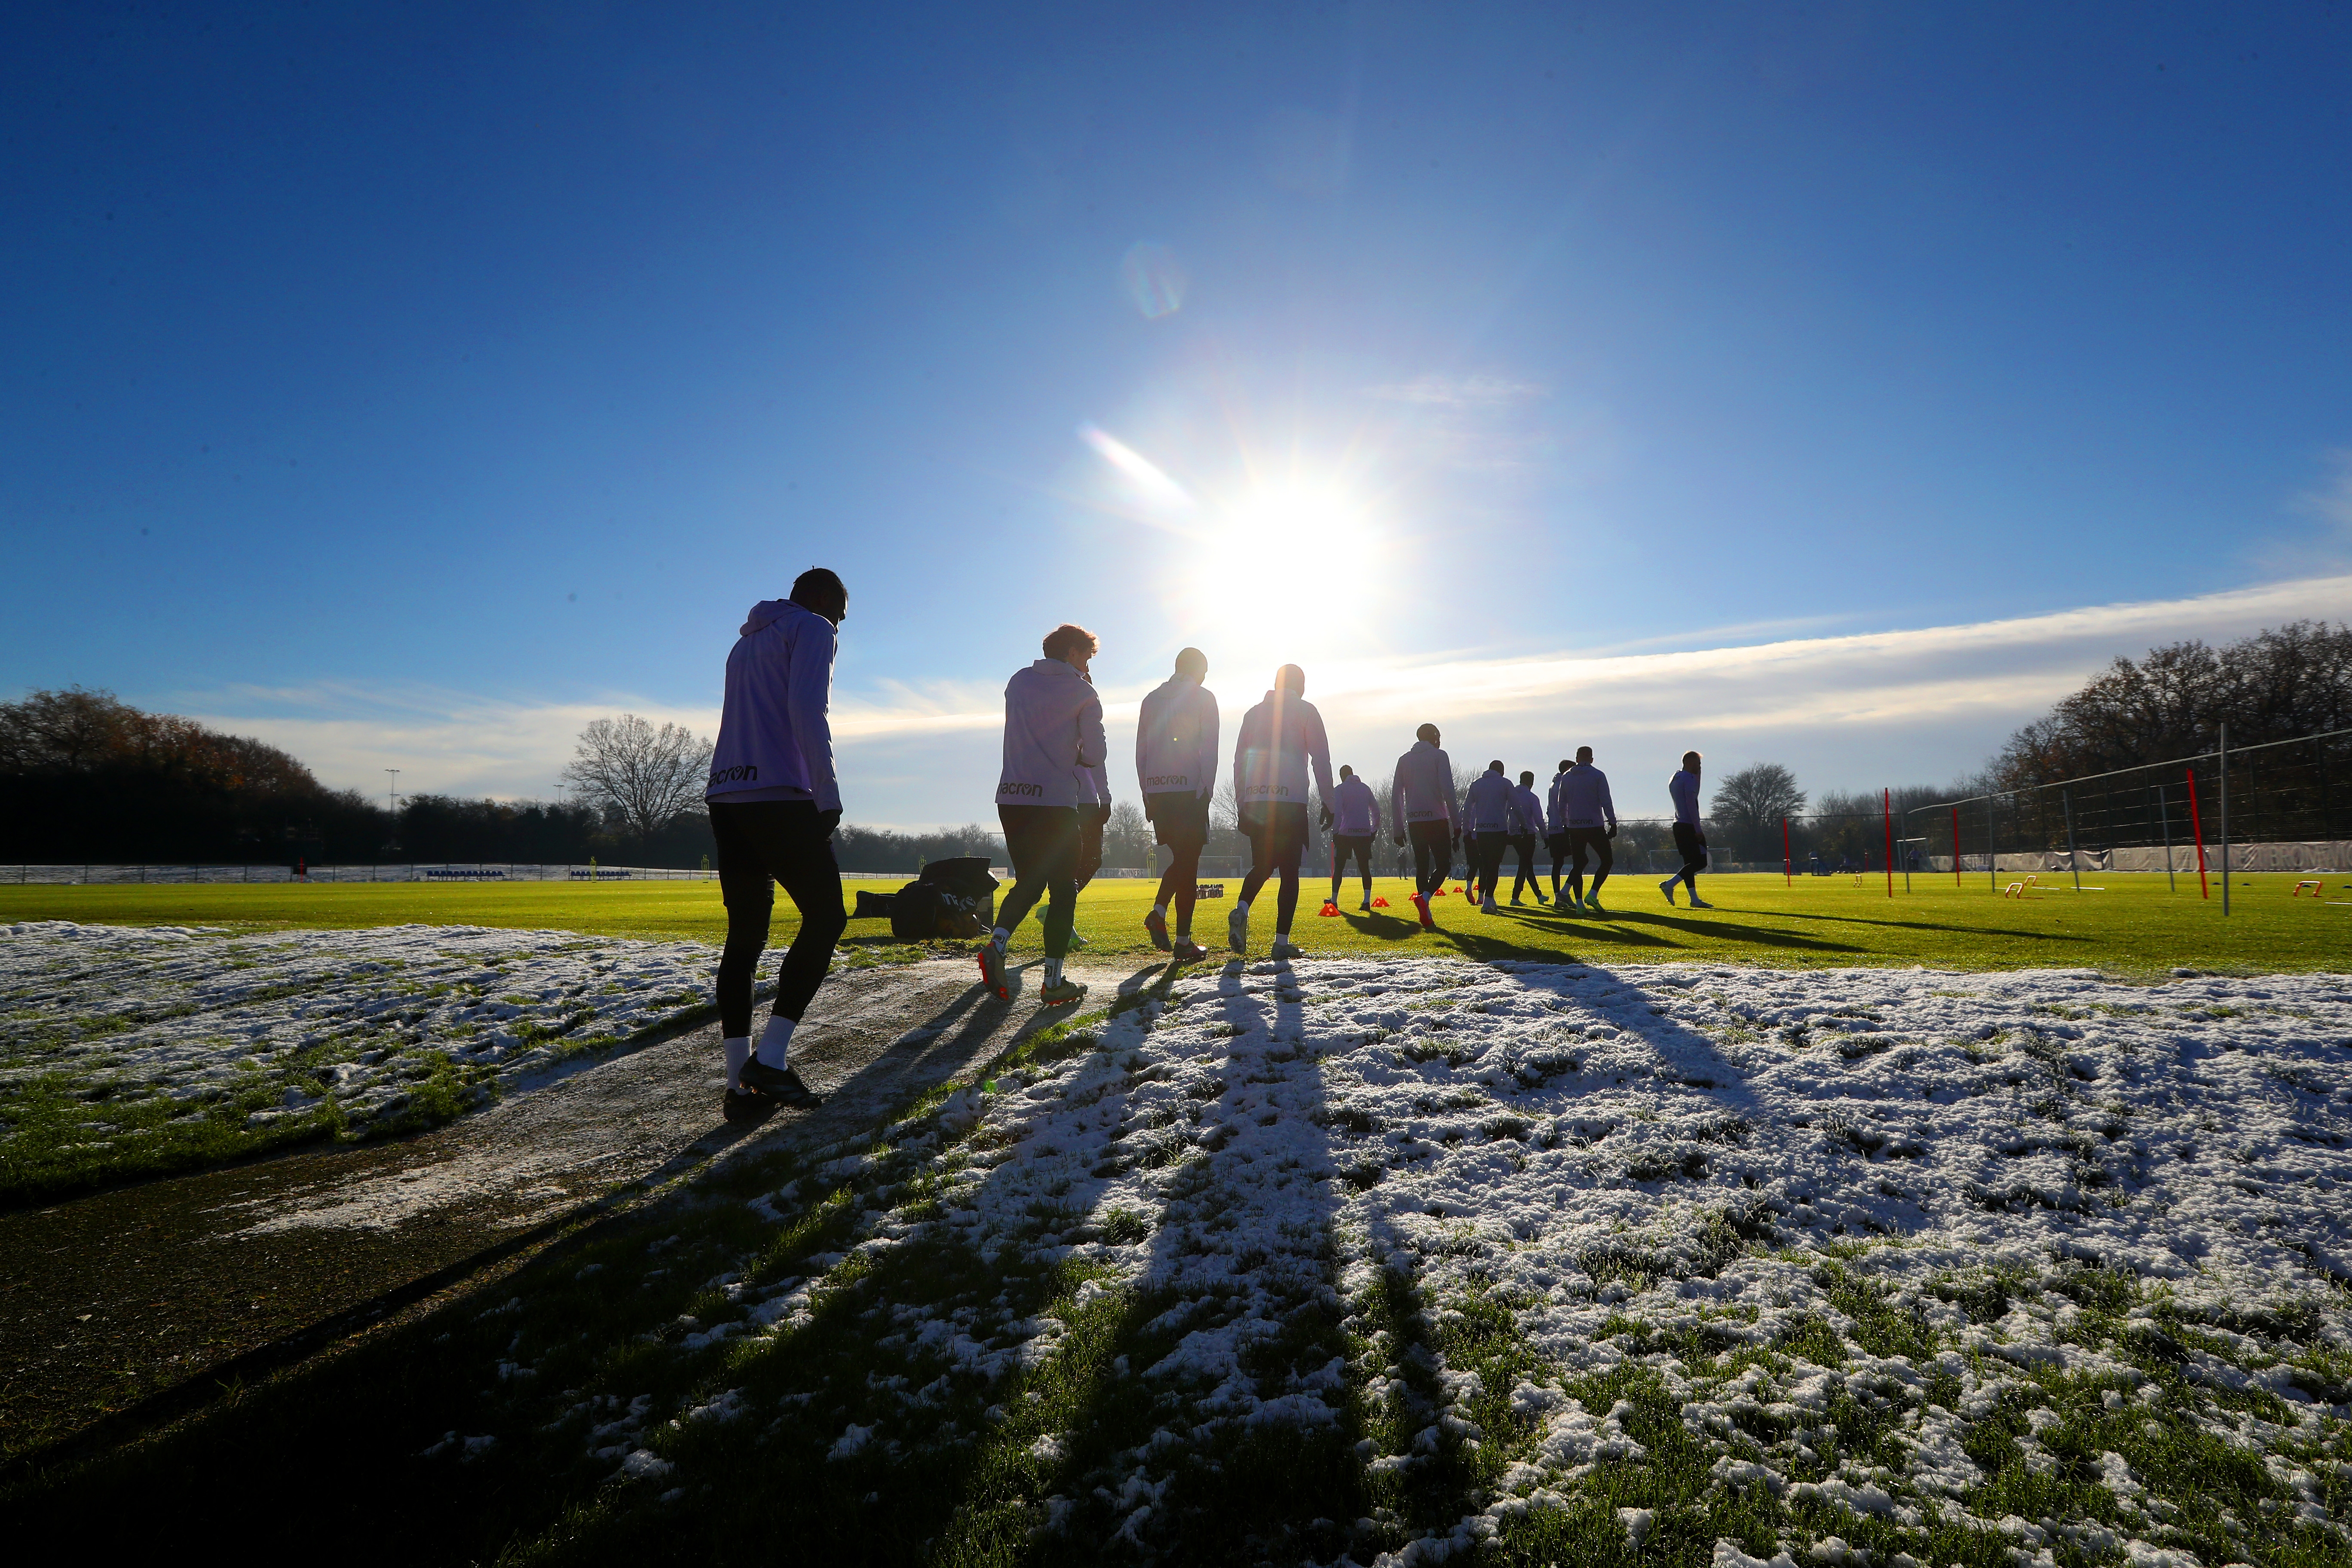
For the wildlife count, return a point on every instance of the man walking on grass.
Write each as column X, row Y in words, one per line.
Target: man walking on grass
column 1426, row 812
column 1355, row 823
column 1176, row 764
column 1279, row 739
column 1054, row 775
column 1688, row 840
column 1487, row 812
column 1527, row 826
column 773, row 806
column 1591, row 824
column 1556, row 830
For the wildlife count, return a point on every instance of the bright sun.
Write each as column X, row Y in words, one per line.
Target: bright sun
column 1275, row 548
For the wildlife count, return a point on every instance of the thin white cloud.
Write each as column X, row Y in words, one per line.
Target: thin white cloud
column 1481, row 390
column 1914, row 705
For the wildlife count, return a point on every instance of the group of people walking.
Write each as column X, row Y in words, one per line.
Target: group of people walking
column 774, row 802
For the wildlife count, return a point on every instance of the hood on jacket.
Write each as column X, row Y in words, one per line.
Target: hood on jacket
column 766, row 613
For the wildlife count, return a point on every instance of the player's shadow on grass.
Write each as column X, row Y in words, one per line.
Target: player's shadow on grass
column 1621, row 931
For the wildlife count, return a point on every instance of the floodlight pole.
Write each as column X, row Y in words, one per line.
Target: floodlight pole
column 1788, row 867
column 1992, row 846
column 1955, row 847
column 395, row 790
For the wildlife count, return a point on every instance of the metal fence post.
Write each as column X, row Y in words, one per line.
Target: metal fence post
column 1992, row 847
column 2066, row 801
column 2164, row 817
column 2225, row 816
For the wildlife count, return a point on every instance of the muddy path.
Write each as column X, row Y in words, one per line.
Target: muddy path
column 132, row 1307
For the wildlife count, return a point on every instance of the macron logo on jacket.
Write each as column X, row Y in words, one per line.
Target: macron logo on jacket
column 1176, row 738
column 775, row 738
column 1054, row 745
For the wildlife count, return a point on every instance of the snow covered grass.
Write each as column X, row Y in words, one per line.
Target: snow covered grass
column 127, row 1050
column 1380, row 1260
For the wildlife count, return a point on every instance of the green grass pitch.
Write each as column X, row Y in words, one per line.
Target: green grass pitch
column 2133, row 926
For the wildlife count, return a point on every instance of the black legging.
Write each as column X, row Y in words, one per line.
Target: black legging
column 1596, row 839
column 761, row 843
column 1524, row 846
column 1278, row 840
column 1694, row 853
column 1042, row 842
column 1345, row 846
column 1489, row 849
column 1433, row 853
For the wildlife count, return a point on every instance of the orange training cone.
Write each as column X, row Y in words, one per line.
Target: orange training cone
column 1379, row 903
column 1328, row 909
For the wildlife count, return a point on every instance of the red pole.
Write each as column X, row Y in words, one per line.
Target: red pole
column 2197, row 831
column 1886, row 800
column 1787, row 869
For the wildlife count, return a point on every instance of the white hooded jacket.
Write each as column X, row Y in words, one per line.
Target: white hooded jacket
column 1278, row 738
column 1053, row 743
column 1487, row 804
column 1176, row 738
column 1355, row 809
column 1424, row 786
column 1527, row 812
column 774, row 740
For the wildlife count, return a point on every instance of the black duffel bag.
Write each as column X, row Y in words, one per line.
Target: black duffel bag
column 949, row 899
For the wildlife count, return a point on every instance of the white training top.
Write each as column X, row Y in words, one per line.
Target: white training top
column 1424, row 786
column 1279, row 738
column 1176, row 738
column 1684, row 787
column 1527, row 812
column 1583, row 793
column 1555, row 814
column 1487, row 804
column 1355, row 809
column 774, row 740
column 1053, row 743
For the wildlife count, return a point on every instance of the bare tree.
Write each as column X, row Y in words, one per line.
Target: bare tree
column 1748, row 807
column 643, row 776
column 1127, row 837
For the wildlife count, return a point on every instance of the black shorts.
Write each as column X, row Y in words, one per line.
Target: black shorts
column 1179, row 817
column 1041, row 841
column 1558, row 844
column 1276, row 834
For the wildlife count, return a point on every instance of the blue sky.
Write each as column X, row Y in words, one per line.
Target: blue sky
column 406, row 384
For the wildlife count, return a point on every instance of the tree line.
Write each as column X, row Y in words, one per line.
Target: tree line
column 85, row 777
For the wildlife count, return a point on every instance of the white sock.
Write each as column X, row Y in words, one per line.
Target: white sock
column 1053, row 971
column 1002, row 936
column 1160, row 910
column 1282, row 936
column 1240, row 907
column 738, row 1051
column 774, row 1040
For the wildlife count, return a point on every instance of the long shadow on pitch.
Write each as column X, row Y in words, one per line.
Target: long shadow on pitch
column 1612, row 929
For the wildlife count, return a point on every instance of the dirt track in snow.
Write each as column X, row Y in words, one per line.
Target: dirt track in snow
column 130, row 1306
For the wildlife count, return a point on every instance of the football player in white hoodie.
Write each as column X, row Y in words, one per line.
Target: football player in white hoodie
column 1527, row 826
column 1280, row 737
column 1355, row 823
column 773, row 806
column 1176, row 763
column 1054, row 752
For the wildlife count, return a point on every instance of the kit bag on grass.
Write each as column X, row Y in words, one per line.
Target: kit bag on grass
column 950, row 899
column 873, row 906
